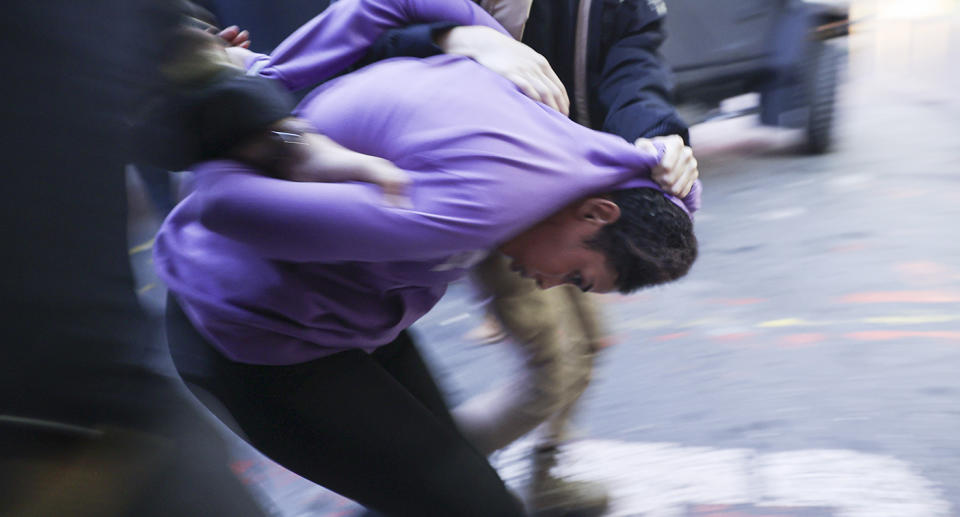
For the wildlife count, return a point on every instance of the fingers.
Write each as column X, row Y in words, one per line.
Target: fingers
column 235, row 37
column 672, row 149
column 682, row 178
column 531, row 79
column 559, row 93
column 327, row 161
column 690, row 176
column 229, row 33
column 242, row 39
column 684, row 183
column 547, row 92
column 513, row 60
column 542, row 77
column 678, row 169
column 394, row 182
column 679, row 178
column 526, row 87
column 646, row 145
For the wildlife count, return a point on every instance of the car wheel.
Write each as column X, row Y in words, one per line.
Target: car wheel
column 821, row 77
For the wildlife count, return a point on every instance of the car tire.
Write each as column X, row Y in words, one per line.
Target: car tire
column 820, row 89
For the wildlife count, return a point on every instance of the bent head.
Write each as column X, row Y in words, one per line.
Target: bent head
column 623, row 241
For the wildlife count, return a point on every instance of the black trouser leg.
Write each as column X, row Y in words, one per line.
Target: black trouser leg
column 372, row 427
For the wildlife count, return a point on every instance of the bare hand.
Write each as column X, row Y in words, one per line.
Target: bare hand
column 677, row 170
column 328, row 161
column 291, row 149
column 235, row 37
column 513, row 60
column 239, row 56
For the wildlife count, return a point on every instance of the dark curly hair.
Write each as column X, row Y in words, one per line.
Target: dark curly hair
column 651, row 243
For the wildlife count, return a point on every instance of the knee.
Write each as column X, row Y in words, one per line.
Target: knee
column 548, row 395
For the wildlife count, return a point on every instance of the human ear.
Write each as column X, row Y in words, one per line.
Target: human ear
column 599, row 211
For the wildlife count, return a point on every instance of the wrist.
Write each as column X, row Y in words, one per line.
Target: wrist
column 280, row 150
column 441, row 37
column 294, row 125
column 445, row 39
column 460, row 40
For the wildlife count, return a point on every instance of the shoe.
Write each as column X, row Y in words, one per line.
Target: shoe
column 552, row 496
column 555, row 497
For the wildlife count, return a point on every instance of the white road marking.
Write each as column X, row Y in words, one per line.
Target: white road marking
column 784, row 213
column 662, row 479
column 455, row 319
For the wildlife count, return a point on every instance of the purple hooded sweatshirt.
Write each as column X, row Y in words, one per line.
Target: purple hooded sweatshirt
column 278, row 272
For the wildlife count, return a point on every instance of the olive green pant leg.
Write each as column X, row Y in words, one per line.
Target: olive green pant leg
column 557, row 348
column 584, row 330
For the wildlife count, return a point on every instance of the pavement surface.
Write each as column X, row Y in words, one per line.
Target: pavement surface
column 808, row 365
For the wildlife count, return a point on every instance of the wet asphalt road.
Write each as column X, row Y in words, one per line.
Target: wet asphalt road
column 809, row 363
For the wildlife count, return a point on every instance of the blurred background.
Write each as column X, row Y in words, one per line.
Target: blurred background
column 808, row 366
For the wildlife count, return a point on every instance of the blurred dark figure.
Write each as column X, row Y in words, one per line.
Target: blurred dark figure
column 87, row 426
column 157, row 184
column 269, row 22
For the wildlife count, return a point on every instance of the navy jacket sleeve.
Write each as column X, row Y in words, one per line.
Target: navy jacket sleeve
column 411, row 41
column 634, row 89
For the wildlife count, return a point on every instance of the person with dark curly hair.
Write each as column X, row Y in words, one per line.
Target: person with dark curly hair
column 290, row 301
column 605, row 53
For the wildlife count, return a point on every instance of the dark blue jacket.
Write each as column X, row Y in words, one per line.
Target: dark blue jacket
column 628, row 82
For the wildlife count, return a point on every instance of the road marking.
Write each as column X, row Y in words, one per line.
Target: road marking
column 785, row 213
column 451, row 321
column 711, row 321
column 902, row 297
column 732, row 337
column 146, row 288
column 912, row 320
column 801, row 340
column 141, row 247
column 785, row 322
column 664, row 479
column 887, row 335
column 670, row 337
column 922, row 269
column 735, row 302
column 643, row 324
column 653, row 479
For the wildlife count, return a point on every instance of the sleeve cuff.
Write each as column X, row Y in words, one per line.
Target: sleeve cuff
column 671, row 125
column 422, row 42
column 234, row 108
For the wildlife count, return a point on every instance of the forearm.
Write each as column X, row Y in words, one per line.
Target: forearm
column 635, row 90
column 319, row 222
column 280, row 150
column 343, row 33
column 645, row 120
column 414, row 41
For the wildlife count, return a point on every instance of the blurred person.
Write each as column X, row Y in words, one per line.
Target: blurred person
column 606, row 52
column 92, row 423
column 290, row 302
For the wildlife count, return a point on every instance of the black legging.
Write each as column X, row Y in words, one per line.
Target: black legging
column 372, row 427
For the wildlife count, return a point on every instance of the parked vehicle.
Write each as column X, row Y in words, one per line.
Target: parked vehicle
column 781, row 49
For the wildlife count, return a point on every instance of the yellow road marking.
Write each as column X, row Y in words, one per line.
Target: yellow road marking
column 141, row 247
column 785, row 322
